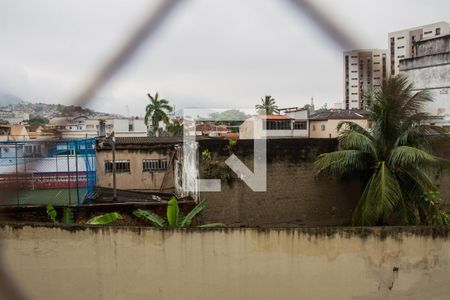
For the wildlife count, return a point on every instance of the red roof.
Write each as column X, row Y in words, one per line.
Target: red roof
column 274, row 117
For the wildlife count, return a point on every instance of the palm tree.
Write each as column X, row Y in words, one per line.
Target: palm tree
column 157, row 111
column 267, row 106
column 392, row 158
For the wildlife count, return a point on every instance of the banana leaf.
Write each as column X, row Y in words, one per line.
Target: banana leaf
column 67, row 217
column 149, row 216
column 172, row 212
column 104, row 219
column 51, row 212
column 195, row 211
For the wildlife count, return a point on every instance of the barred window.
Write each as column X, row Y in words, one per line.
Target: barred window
column 154, row 165
column 277, row 125
column 122, row 166
column 300, row 125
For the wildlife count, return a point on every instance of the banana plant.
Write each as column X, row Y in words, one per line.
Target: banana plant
column 67, row 217
column 175, row 217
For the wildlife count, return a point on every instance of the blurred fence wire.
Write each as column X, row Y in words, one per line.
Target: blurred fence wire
column 155, row 18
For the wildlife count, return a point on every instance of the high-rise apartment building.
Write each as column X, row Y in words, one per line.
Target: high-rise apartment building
column 401, row 43
column 364, row 70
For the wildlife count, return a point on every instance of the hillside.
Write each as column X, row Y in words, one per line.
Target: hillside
column 44, row 110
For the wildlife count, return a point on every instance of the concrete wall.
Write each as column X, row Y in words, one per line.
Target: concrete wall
column 143, row 263
column 294, row 197
column 137, row 179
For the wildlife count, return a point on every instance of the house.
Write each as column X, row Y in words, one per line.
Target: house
column 126, row 127
column 324, row 124
column 15, row 132
column 209, row 129
column 292, row 124
column 84, row 127
column 74, row 127
column 143, row 164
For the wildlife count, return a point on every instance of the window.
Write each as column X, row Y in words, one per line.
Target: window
column 400, row 38
column 400, row 47
column 427, row 32
column 152, row 165
column 354, row 71
column 438, row 31
column 400, row 56
column 314, row 127
column 277, row 125
column 322, row 127
column 300, row 125
column 122, row 166
column 130, row 127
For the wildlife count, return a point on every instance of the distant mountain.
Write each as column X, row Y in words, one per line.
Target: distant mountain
column 48, row 111
column 8, row 99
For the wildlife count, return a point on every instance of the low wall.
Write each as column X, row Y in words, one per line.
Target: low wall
column 295, row 196
column 74, row 262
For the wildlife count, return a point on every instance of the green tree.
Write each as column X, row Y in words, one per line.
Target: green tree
column 175, row 128
column 157, row 111
column 35, row 121
column 393, row 158
column 267, row 106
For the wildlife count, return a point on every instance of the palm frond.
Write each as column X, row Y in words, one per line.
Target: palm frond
column 344, row 126
column 406, row 156
column 381, row 196
column 342, row 162
column 353, row 140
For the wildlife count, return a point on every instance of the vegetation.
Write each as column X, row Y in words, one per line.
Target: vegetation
column 67, row 217
column 267, row 106
column 175, row 218
column 393, row 159
column 36, row 121
column 175, row 128
column 157, row 111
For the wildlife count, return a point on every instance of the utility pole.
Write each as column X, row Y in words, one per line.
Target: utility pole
column 113, row 145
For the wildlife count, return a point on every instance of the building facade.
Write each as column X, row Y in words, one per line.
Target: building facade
column 293, row 124
column 324, row 124
column 429, row 69
column 401, row 43
column 364, row 70
column 143, row 164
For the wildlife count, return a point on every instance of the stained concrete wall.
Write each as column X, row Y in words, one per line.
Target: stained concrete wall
column 50, row 262
column 295, row 195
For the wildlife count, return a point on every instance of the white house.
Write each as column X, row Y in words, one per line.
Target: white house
column 292, row 124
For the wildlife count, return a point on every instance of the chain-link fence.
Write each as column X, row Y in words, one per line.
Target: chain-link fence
column 39, row 172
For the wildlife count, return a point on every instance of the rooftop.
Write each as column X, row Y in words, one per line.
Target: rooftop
column 340, row 114
column 274, row 117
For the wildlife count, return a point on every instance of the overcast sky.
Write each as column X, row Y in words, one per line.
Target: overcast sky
column 209, row 53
